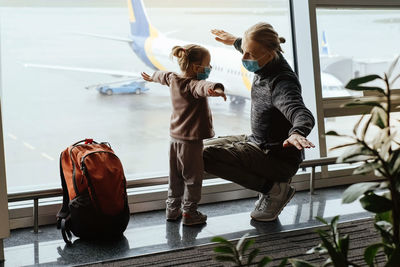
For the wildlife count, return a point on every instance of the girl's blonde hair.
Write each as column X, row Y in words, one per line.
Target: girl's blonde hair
column 264, row 34
column 189, row 54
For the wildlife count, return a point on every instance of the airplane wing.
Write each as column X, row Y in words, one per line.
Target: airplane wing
column 115, row 73
column 114, row 38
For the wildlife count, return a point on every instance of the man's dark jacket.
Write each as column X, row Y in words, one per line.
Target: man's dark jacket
column 277, row 108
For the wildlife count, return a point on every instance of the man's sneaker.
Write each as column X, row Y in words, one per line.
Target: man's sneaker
column 260, row 195
column 193, row 218
column 173, row 214
column 270, row 205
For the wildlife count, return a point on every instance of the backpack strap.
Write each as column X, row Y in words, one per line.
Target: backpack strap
column 64, row 211
column 86, row 141
column 66, row 233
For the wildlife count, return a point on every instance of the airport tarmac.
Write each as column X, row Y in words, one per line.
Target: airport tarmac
column 44, row 111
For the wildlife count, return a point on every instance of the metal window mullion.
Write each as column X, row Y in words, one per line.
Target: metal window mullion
column 303, row 18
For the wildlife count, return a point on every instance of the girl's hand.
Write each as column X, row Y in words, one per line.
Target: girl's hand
column 224, row 37
column 217, row 92
column 146, row 77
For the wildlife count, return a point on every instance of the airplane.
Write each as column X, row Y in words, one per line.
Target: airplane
column 153, row 49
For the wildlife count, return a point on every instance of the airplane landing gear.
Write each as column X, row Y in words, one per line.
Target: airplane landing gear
column 237, row 100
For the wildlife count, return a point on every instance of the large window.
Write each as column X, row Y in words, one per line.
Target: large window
column 353, row 43
column 57, row 55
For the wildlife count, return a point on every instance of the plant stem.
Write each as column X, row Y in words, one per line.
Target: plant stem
column 395, row 212
column 393, row 189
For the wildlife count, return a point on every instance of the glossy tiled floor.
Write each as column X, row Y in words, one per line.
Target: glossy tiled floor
column 149, row 232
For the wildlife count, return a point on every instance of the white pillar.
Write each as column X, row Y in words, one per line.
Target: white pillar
column 4, row 222
column 304, row 27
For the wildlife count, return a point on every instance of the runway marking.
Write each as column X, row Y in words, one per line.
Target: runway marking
column 47, row 156
column 12, row 136
column 29, row 146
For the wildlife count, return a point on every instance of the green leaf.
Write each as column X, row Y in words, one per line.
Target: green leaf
column 328, row 262
column 344, row 145
column 334, row 222
column 240, row 243
column 337, row 258
column 344, row 245
column 392, row 66
column 221, row 240
column 364, row 103
column 224, row 249
column 246, row 245
column 322, row 232
column 380, row 137
column 370, row 253
column 379, row 117
column 319, row 249
column 333, row 133
column 366, row 126
column 355, row 154
column 360, row 80
column 353, row 192
column 300, row 263
column 367, row 167
column 367, row 88
column 225, row 258
column 321, row 220
column 394, row 79
column 385, row 229
column 384, row 216
column 385, row 149
column 283, row 262
column 375, row 203
column 252, row 255
column 264, row 261
column 358, row 158
column 394, row 162
column 355, row 128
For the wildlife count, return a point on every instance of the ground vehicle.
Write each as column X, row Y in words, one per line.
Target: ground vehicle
column 135, row 87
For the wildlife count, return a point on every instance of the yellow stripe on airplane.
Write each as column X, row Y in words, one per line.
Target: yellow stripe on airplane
column 148, row 48
column 245, row 78
column 131, row 13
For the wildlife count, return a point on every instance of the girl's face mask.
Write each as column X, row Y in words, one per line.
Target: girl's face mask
column 204, row 75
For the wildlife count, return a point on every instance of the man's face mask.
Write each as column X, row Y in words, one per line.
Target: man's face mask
column 252, row 64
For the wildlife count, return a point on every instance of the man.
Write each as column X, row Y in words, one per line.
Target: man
column 267, row 159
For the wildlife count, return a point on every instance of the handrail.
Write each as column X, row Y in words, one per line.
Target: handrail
column 57, row 192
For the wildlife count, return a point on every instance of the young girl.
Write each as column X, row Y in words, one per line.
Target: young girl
column 191, row 122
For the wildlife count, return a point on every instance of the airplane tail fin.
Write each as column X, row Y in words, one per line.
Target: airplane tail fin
column 325, row 47
column 143, row 34
column 140, row 25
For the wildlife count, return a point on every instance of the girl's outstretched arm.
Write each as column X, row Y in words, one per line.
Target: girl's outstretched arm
column 146, row 77
column 217, row 92
column 161, row 77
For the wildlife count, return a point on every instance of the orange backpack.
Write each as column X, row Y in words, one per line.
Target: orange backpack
column 95, row 203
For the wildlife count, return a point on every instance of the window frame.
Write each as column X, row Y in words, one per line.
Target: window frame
column 302, row 14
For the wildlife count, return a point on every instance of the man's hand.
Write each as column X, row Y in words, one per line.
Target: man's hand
column 146, row 77
column 224, row 37
column 298, row 141
column 217, row 92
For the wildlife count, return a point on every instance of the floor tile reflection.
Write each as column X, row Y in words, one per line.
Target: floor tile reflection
column 150, row 233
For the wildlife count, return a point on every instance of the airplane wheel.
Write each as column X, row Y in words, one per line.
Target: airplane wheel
column 109, row 92
column 138, row 91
